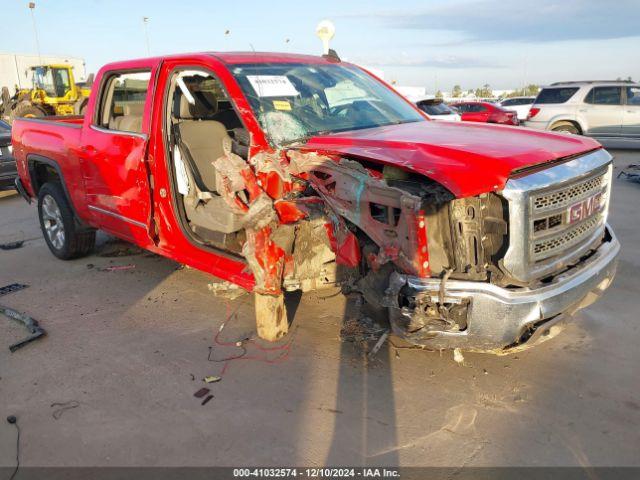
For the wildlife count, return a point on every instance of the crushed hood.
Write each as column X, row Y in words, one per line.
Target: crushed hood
column 467, row 158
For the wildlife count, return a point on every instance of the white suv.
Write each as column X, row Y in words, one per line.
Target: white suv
column 594, row 108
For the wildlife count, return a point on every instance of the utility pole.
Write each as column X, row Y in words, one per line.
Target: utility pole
column 32, row 7
column 145, row 21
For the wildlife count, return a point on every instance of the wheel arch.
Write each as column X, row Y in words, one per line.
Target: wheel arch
column 44, row 170
column 574, row 121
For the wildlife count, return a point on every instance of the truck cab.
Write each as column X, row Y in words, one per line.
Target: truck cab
column 282, row 172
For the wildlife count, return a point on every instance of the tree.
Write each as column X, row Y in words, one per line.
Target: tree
column 484, row 92
column 457, row 91
column 528, row 91
column 439, row 94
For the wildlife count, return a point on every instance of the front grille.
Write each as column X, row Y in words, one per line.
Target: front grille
column 556, row 215
column 554, row 226
column 569, row 195
column 567, row 239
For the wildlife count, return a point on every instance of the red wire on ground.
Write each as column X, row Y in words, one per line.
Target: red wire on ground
column 285, row 348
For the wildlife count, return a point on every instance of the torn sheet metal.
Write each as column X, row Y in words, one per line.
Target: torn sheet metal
column 391, row 217
column 266, row 260
column 272, row 189
column 32, row 326
column 238, row 186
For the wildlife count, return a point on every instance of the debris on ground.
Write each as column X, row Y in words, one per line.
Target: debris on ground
column 35, row 330
column 211, row 379
column 63, row 407
column 378, row 344
column 117, row 268
column 13, row 420
column 457, row 356
column 632, row 172
column 201, row 393
column 360, row 330
column 206, row 400
column 14, row 287
column 11, row 245
column 227, row 290
column 242, row 346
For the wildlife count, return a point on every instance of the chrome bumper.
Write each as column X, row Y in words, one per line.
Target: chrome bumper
column 502, row 320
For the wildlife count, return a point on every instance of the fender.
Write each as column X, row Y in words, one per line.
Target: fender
column 34, row 159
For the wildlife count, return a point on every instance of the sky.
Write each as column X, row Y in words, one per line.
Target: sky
column 434, row 44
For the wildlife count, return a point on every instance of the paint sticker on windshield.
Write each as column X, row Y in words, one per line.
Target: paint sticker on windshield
column 272, row 86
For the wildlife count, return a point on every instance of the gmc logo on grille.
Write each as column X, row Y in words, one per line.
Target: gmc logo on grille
column 584, row 209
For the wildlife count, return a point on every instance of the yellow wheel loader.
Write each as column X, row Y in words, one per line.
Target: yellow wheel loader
column 54, row 92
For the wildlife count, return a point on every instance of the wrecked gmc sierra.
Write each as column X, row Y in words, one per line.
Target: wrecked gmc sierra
column 286, row 172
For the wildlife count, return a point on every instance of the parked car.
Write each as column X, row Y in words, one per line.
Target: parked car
column 485, row 112
column 8, row 171
column 598, row 109
column 520, row 105
column 282, row 172
column 438, row 110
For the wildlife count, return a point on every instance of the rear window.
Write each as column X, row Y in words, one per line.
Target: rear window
column 555, row 95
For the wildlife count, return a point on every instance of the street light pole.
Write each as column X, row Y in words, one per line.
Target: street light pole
column 32, row 7
column 145, row 21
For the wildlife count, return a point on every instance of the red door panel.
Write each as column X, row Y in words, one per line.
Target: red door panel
column 116, row 182
column 475, row 116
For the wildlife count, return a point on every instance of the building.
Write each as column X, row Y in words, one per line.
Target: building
column 15, row 69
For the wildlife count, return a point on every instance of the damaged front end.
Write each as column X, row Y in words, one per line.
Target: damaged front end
column 435, row 262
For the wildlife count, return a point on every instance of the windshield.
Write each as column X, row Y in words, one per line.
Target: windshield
column 296, row 101
column 4, row 127
column 54, row 81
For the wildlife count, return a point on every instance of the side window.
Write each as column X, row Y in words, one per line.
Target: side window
column 604, row 96
column 633, row 96
column 476, row 109
column 122, row 101
column 61, row 81
column 462, row 108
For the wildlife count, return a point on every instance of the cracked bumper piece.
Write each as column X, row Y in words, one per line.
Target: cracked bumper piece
column 503, row 320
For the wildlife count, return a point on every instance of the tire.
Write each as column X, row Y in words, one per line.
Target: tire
column 26, row 109
column 565, row 127
column 57, row 221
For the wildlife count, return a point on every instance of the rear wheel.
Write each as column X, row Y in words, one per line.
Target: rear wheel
column 64, row 238
column 565, row 127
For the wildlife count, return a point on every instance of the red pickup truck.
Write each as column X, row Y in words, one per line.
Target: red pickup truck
column 288, row 172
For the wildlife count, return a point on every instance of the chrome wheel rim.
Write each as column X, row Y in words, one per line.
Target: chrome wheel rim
column 52, row 221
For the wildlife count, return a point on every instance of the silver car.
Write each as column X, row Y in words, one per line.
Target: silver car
column 602, row 109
